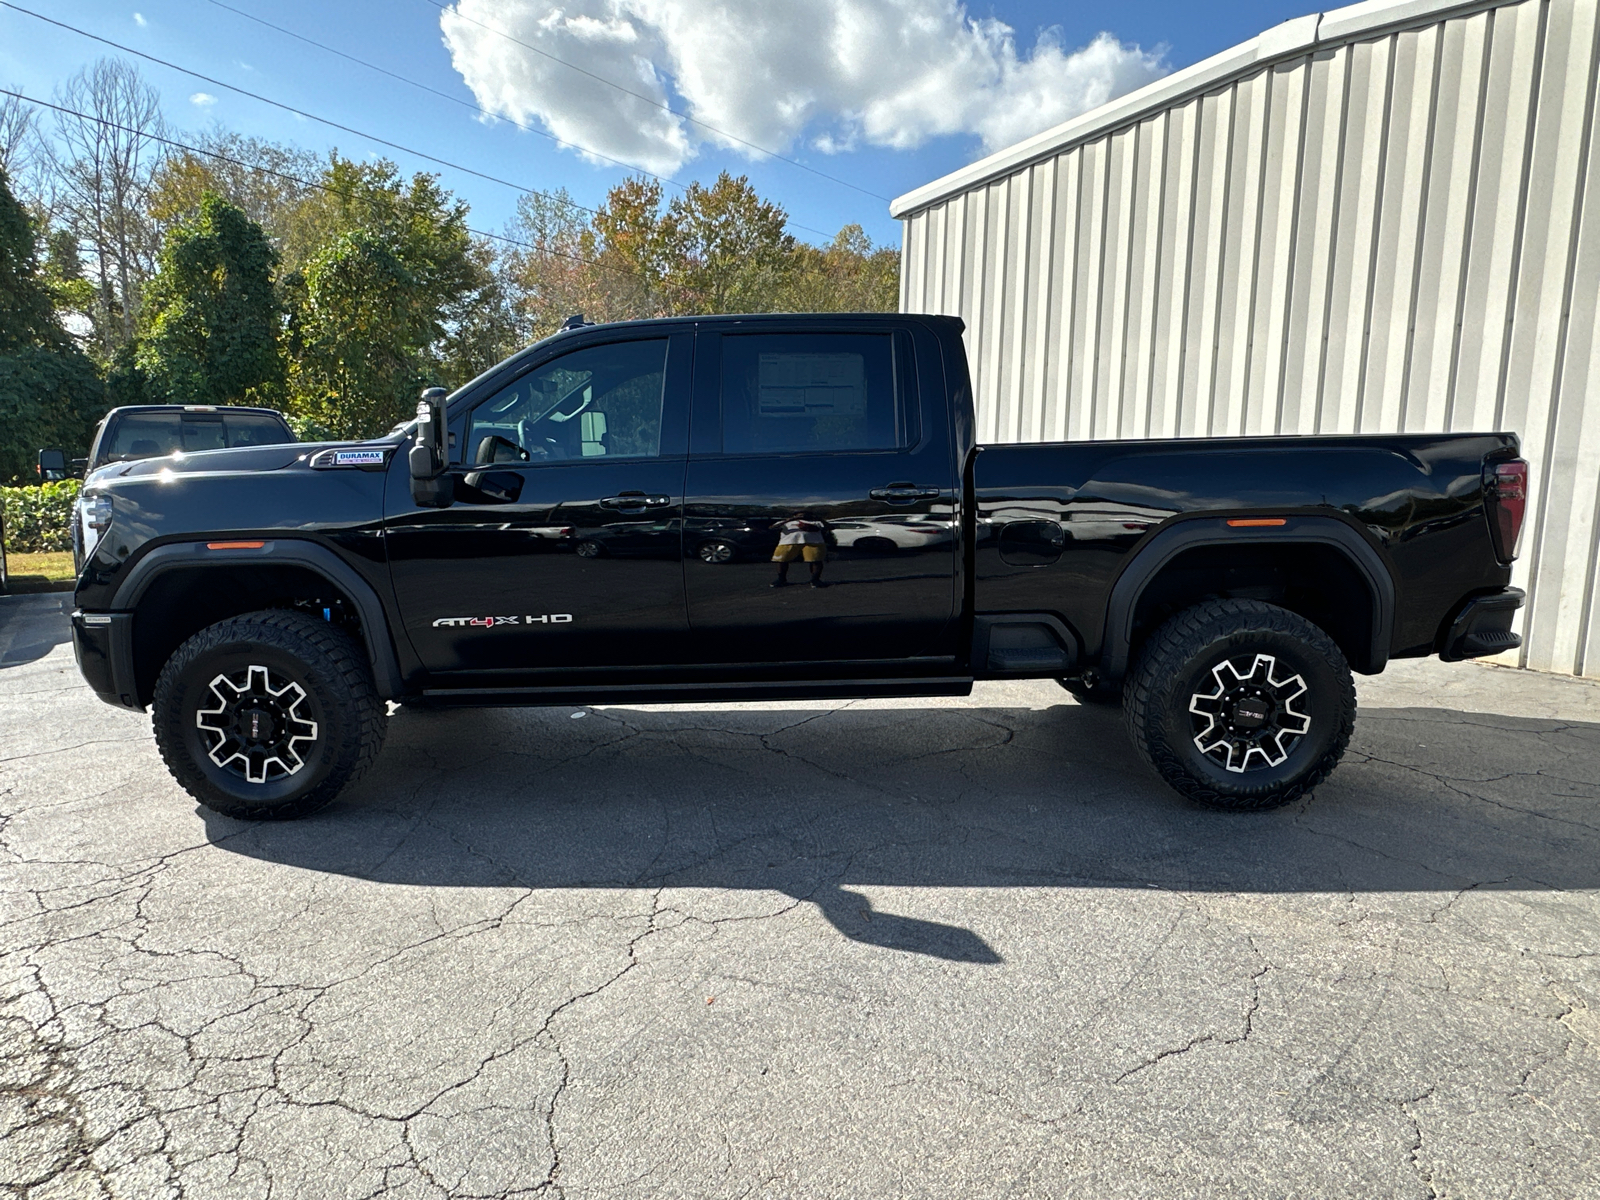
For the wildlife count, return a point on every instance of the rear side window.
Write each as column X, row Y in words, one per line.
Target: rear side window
column 811, row 392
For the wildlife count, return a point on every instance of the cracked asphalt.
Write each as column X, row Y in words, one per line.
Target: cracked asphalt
column 963, row 948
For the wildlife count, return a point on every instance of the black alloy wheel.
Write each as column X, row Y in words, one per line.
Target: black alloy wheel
column 587, row 549
column 268, row 716
column 1241, row 705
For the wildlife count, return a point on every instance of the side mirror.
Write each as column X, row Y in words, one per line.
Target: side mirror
column 429, row 459
column 52, row 465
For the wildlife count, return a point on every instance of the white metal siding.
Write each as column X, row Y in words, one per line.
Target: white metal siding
column 1390, row 231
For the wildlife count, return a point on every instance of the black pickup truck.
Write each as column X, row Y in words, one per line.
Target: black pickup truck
column 785, row 507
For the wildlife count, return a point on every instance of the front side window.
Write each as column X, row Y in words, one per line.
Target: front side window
column 797, row 393
column 598, row 402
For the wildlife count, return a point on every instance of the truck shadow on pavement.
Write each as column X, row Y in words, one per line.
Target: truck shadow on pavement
column 815, row 803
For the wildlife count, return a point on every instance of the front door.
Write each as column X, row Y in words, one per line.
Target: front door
column 819, row 521
column 562, row 552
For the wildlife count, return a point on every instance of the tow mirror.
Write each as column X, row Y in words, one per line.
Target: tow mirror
column 52, row 465
column 431, row 484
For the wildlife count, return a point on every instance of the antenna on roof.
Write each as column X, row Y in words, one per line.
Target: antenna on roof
column 575, row 321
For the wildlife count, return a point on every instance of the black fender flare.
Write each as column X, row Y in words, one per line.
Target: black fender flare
column 186, row 556
column 1168, row 543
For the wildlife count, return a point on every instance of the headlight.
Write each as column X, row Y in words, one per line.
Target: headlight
column 96, row 508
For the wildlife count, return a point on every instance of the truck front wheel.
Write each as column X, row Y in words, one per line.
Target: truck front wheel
column 268, row 716
column 1241, row 705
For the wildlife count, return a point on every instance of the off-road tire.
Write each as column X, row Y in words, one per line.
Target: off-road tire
column 1101, row 694
column 325, row 663
column 1176, row 666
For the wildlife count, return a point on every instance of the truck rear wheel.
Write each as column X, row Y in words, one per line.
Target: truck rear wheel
column 268, row 716
column 1241, row 705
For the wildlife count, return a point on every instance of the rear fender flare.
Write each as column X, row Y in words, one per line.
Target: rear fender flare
column 188, row 556
column 1166, row 545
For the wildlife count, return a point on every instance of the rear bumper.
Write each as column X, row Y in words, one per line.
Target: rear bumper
column 103, row 645
column 1483, row 627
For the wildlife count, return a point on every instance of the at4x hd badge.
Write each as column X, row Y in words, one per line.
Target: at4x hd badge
column 497, row 622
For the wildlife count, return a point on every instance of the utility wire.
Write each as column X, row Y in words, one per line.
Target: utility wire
column 308, row 183
column 479, row 109
column 446, row 6
column 289, row 108
column 534, row 129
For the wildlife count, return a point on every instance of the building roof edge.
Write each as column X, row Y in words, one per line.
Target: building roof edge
column 1291, row 39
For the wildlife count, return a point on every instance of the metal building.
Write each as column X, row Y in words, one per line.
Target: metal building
column 1382, row 218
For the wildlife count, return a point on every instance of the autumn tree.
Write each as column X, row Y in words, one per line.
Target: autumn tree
column 727, row 249
column 211, row 318
column 850, row 275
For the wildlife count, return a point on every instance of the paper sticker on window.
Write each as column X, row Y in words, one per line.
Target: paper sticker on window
column 812, row 385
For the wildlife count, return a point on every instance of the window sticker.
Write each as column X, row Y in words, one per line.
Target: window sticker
column 812, row 385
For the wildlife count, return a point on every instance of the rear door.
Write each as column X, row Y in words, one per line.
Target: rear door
column 562, row 552
column 819, row 508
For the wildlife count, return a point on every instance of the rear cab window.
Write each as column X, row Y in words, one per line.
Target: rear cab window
column 139, row 435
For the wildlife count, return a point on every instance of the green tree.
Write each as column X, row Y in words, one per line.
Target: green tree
column 390, row 294
column 211, row 316
column 49, row 392
column 362, row 321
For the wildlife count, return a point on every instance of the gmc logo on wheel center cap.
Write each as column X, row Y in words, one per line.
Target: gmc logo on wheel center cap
column 496, row 622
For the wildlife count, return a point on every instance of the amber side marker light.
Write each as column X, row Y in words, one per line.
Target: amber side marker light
column 1256, row 522
column 234, row 545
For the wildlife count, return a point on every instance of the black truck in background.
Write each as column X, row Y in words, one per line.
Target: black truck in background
column 779, row 507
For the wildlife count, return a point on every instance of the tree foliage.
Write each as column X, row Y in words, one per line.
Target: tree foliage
column 211, row 314
column 391, row 300
column 249, row 270
column 50, row 394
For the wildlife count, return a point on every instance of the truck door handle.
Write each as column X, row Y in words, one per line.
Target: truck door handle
column 635, row 502
column 904, row 493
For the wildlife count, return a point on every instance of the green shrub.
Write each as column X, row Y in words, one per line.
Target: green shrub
column 39, row 518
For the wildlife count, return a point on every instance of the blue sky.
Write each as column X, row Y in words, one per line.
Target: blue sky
column 405, row 36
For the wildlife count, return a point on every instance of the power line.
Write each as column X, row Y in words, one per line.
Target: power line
column 468, row 104
column 445, row 6
column 444, row 95
column 289, row 108
column 308, row 183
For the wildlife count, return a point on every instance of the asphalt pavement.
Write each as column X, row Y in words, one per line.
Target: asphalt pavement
column 966, row 948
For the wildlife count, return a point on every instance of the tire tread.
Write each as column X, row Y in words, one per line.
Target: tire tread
column 1179, row 640
column 292, row 633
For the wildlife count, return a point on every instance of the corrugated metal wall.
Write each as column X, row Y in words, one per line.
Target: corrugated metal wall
column 1400, row 232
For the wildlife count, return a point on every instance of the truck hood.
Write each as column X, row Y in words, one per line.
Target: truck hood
column 242, row 459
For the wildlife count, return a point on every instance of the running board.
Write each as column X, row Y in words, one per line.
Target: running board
column 678, row 693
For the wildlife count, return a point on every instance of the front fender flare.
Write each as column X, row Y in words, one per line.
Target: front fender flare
column 188, row 556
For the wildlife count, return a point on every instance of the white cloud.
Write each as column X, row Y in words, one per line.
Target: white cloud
column 138, row 19
column 837, row 72
column 202, row 99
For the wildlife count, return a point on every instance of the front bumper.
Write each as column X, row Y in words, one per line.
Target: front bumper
column 103, row 645
column 1483, row 627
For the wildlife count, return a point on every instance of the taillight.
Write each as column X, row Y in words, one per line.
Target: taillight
column 1507, row 494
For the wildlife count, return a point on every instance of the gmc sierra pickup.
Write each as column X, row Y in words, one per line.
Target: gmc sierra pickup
column 783, row 507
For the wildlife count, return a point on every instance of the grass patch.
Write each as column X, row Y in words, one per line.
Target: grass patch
column 47, row 572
